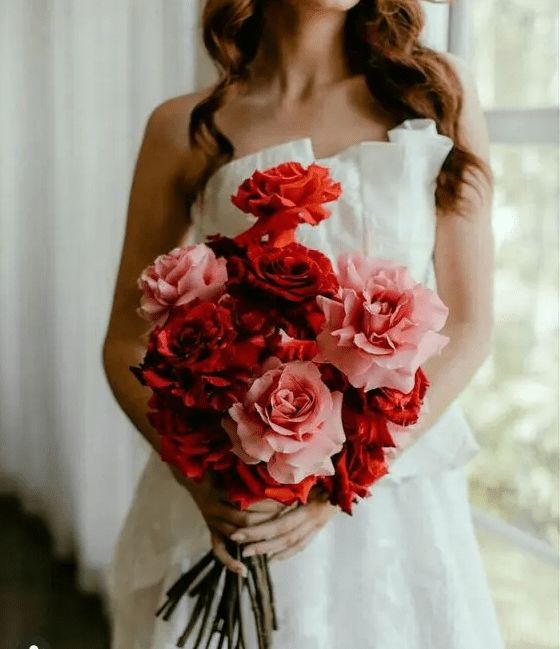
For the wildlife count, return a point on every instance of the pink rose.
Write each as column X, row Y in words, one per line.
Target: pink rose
column 179, row 277
column 382, row 325
column 290, row 420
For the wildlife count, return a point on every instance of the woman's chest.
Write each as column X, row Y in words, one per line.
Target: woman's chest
column 333, row 119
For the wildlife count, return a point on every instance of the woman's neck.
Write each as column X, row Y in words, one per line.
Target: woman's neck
column 301, row 51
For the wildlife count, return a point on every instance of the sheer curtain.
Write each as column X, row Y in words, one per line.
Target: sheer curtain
column 78, row 80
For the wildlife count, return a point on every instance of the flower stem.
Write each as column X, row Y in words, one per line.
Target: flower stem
column 214, row 588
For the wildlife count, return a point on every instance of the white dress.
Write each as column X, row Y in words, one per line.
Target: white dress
column 404, row 572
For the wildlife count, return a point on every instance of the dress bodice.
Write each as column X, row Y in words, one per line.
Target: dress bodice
column 386, row 210
column 387, row 205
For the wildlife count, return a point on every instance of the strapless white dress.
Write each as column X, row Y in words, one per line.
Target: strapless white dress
column 404, row 572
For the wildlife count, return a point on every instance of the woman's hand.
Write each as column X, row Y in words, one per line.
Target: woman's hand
column 224, row 519
column 288, row 533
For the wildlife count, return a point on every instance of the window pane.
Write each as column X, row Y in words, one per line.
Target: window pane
column 525, row 591
column 516, row 52
column 512, row 402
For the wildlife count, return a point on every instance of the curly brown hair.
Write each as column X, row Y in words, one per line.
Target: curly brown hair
column 382, row 42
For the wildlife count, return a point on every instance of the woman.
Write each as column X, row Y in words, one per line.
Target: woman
column 347, row 83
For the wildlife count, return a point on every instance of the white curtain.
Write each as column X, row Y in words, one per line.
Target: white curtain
column 77, row 82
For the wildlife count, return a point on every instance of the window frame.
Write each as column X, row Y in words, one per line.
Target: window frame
column 535, row 125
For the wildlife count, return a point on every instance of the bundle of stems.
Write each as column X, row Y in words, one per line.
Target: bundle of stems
column 217, row 609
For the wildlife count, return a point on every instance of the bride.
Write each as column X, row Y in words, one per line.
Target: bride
column 346, row 83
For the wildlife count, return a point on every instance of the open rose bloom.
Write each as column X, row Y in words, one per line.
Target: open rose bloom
column 291, row 420
column 276, row 374
column 382, row 326
column 179, row 277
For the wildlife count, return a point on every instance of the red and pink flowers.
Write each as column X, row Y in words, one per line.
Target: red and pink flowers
column 304, row 371
column 273, row 371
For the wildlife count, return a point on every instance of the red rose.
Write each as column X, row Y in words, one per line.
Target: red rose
column 402, row 409
column 289, row 349
column 289, row 186
column 282, row 197
column 155, row 373
column 216, row 391
column 368, row 427
column 250, row 483
column 205, row 338
column 293, row 273
column 335, row 380
column 356, row 469
column 192, row 444
column 202, row 356
column 253, row 320
column 195, row 337
column 206, row 391
column 362, row 460
column 303, row 320
column 223, row 246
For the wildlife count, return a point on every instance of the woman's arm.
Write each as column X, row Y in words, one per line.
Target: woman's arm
column 464, row 269
column 157, row 220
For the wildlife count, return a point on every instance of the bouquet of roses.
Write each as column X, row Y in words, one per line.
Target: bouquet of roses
column 279, row 375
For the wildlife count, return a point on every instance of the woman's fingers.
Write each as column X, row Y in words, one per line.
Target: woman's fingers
column 271, row 529
column 298, row 546
column 221, row 553
column 268, row 506
column 225, row 529
column 232, row 515
column 286, row 532
column 280, row 543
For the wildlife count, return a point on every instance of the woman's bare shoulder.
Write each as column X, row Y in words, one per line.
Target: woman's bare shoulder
column 472, row 120
column 167, row 130
column 170, row 119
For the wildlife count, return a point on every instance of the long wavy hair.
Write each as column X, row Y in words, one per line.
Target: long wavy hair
column 382, row 42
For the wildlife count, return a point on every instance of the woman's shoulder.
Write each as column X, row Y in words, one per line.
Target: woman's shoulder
column 170, row 118
column 472, row 122
column 168, row 122
column 465, row 77
column 167, row 130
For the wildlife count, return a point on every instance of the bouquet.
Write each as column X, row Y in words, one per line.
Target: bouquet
column 277, row 374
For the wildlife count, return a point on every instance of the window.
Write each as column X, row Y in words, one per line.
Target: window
column 516, row 45
column 512, row 402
